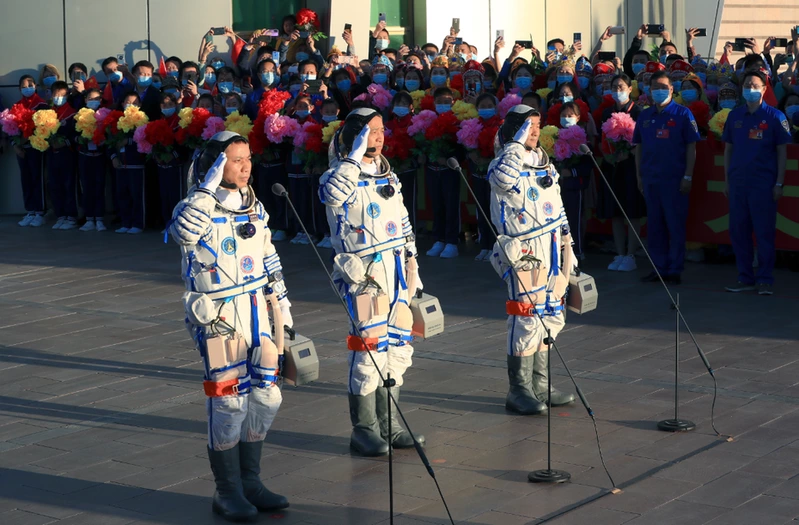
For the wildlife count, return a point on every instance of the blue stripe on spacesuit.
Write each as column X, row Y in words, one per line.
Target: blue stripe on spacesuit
column 211, row 250
column 219, row 220
column 256, row 338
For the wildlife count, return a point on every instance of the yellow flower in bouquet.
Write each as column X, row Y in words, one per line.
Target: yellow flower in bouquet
column 635, row 91
column 46, row 122
column 547, row 139
column 464, row 110
column 238, row 123
column 716, row 123
column 186, row 115
column 39, row 143
column 86, row 123
column 330, row 130
column 417, row 97
column 543, row 93
column 133, row 118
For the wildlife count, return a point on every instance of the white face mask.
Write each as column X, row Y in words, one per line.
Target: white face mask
column 381, row 44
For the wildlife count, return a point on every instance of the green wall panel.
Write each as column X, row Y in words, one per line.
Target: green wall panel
column 396, row 12
column 249, row 15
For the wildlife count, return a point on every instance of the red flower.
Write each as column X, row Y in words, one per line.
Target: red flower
column 24, row 119
column 272, row 101
column 159, row 133
column 257, row 137
column 399, row 123
column 305, row 16
column 701, row 112
column 607, row 102
column 456, row 82
column 553, row 115
column 314, row 141
column 444, row 127
column 197, row 125
column 109, row 124
column 428, row 102
column 398, row 145
column 485, row 140
column 181, row 135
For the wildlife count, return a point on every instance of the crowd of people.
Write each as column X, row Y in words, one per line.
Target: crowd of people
column 437, row 101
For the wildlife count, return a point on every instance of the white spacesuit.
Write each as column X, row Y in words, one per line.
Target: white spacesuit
column 375, row 270
column 537, row 259
column 230, row 268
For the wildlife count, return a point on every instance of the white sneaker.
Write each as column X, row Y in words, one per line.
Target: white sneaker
column 298, row 238
column 60, row 222
column 37, row 221
column 483, row 255
column 278, row 236
column 436, row 250
column 134, row 230
column 628, row 264
column 325, row 242
column 27, row 220
column 122, row 230
column 99, row 226
column 450, row 251
column 69, row 224
column 614, row 266
column 89, row 226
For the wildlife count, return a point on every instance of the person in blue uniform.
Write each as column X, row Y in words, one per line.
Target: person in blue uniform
column 755, row 156
column 665, row 137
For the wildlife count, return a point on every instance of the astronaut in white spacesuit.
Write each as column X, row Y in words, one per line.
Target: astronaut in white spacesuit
column 375, row 270
column 527, row 210
column 232, row 273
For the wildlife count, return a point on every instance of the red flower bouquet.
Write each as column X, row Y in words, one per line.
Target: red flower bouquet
column 439, row 140
column 309, row 147
column 398, row 149
column 109, row 129
column 477, row 136
column 156, row 140
column 18, row 124
column 701, row 112
column 308, row 20
column 272, row 101
column 191, row 127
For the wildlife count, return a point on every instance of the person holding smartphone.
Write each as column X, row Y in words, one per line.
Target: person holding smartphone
column 77, row 73
column 120, row 82
column 379, row 39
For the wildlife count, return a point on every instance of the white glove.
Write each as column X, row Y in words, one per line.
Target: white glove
column 359, row 145
column 510, row 251
column 505, row 173
column 214, row 174
column 285, row 312
column 350, row 267
column 523, row 133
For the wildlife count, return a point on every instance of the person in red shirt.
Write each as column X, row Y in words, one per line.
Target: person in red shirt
column 61, row 161
column 30, row 161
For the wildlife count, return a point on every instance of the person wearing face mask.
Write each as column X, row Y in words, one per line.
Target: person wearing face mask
column 693, row 97
column 528, row 213
column 80, row 83
column 728, row 97
column 232, row 274
column 397, row 122
column 584, row 73
column 47, row 77
column 172, row 67
column 637, row 63
column 189, row 81
column 522, row 79
column 438, row 74
column 665, row 135
column 478, row 164
column 622, row 178
column 169, row 170
column 30, row 161
column 444, row 186
column 379, row 40
column 344, row 89
column 149, row 95
column 300, row 182
column 790, row 107
column 376, row 258
column 61, row 161
column 755, row 158
column 225, row 81
column 120, row 82
column 91, row 170
column 268, row 79
column 601, row 86
column 678, row 70
column 129, row 166
column 381, row 70
column 473, row 81
column 414, row 80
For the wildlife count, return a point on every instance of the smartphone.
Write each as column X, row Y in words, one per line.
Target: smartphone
column 78, row 75
column 348, row 27
column 191, row 76
column 701, row 31
column 456, row 24
column 739, row 45
column 381, row 17
column 607, row 56
column 655, row 29
column 780, row 42
column 276, row 57
column 345, row 59
column 501, row 34
column 272, row 32
column 209, row 38
column 458, row 41
column 526, row 44
column 617, row 30
column 313, row 86
column 121, row 59
column 263, row 38
column 305, row 34
column 578, row 37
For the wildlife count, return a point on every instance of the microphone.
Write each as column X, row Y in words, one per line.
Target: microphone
column 585, row 150
column 279, row 190
column 452, row 163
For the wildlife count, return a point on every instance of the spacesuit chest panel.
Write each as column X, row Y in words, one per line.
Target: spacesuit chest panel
column 530, row 209
column 373, row 222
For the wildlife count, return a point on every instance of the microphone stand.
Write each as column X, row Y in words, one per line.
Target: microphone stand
column 547, row 475
column 280, row 191
column 676, row 424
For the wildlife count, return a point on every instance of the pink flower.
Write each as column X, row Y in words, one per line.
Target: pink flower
column 301, row 137
column 139, row 137
column 422, row 121
column 363, row 97
column 100, row 114
column 213, row 126
column 8, row 123
column 569, row 141
column 562, row 150
column 278, row 127
column 381, row 101
column 469, row 132
column 508, row 102
column 619, row 127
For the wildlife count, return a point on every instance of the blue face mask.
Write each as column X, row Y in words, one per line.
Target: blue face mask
column 267, row 78
column 49, row 81
column 791, row 111
column 622, row 97
column 28, row 91
column 380, row 78
column 225, row 87
column 663, row 59
column 638, row 67
column 144, row 81
column 464, row 56
column 752, row 95
column 690, row 95
column 583, row 82
column 157, row 85
column 563, row 79
column 59, row 101
column 400, row 83
column 487, row 113
column 438, row 80
column 431, row 56
column 173, row 74
column 209, row 80
column 660, row 95
column 93, row 104
column 412, row 85
column 231, row 109
column 305, row 77
column 173, row 92
column 567, row 122
column 443, row 108
column 217, row 64
column 344, row 85
column 567, row 98
column 302, row 113
column 168, row 112
column 646, row 90
column 727, row 104
column 703, row 78
column 402, row 111
column 116, row 76
column 525, row 82
column 677, row 85
column 329, row 118
column 301, row 57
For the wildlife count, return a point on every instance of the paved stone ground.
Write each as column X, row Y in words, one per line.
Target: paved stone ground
column 102, row 417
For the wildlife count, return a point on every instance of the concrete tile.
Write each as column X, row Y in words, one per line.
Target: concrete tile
column 732, row 490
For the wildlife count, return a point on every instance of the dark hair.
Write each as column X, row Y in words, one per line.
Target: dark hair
column 784, row 101
column 108, row 61
column 643, row 52
column 142, row 63
column 23, row 78
column 401, row 96
column 572, row 106
column 485, row 96
column 77, row 65
column 533, row 95
column 206, row 96
column 187, row 64
column 525, row 66
column 288, row 18
column 224, row 70
column 751, row 60
column 169, row 96
column 556, row 41
column 443, row 92
column 89, row 91
column 575, row 89
column 59, row 84
column 308, row 62
column 174, row 59
column 748, row 74
column 126, row 95
column 659, row 75
column 430, row 44
column 667, row 43
column 624, row 78
column 265, row 61
column 330, row 102
column 390, row 50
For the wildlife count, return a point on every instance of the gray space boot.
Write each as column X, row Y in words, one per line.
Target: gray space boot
column 540, row 382
column 520, row 395
column 229, row 501
column 254, row 490
column 400, row 437
column 366, row 439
